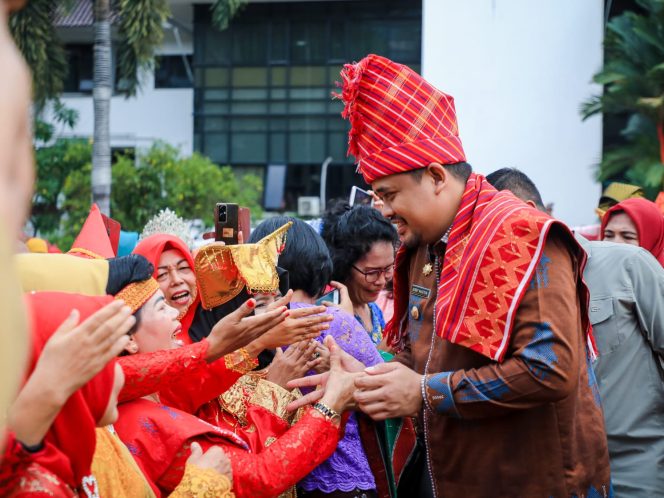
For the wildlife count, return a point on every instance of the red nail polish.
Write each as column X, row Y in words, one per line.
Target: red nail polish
column 251, row 303
column 287, row 313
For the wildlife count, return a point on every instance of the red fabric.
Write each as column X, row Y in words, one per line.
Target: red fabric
column 21, row 475
column 159, row 438
column 151, row 248
column 71, row 438
column 399, row 121
column 493, row 249
column 93, row 237
column 649, row 222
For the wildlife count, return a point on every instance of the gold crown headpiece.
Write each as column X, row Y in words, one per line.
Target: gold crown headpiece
column 136, row 294
column 223, row 271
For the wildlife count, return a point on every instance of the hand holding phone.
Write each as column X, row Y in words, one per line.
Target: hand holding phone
column 359, row 196
column 333, row 297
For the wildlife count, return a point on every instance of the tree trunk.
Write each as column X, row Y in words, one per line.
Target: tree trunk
column 101, row 96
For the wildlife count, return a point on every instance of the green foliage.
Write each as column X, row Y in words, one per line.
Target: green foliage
column 36, row 38
column 224, row 10
column 140, row 32
column 55, row 165
column 633, row 79
column 159, row 178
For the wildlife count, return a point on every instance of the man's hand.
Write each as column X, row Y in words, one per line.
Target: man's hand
column 238, row 329
column 389, row 390
column 346, row 362
column 302, row 324
column 293, row 363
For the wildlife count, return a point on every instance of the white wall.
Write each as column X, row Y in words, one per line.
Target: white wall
column 519, row 70
column 155, row 114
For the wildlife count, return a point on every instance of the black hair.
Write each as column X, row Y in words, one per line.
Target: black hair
column 350, row 232
column 305, row 257
column 518, row 183
column 461, row 171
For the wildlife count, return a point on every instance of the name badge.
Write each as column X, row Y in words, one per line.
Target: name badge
column 419, row 291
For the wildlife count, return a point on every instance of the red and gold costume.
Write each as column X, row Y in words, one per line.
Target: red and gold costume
column 159, row 438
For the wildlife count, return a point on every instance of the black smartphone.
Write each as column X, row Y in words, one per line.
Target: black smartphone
column 359, row 196
column 331, row 297
column 226, row 220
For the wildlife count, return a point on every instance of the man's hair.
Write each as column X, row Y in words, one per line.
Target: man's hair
column 461, row 171
column 305, row 257
column 351, row 232
column 518, row 183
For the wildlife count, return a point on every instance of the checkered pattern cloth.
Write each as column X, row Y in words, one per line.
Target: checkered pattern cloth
column 399, row 122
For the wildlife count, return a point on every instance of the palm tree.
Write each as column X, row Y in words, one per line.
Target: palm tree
column 633, row 79
column 139, row 33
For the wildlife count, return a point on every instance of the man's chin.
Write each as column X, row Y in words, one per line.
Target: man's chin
column 411, row 240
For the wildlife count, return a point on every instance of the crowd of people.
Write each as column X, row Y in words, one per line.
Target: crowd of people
column 479, row 348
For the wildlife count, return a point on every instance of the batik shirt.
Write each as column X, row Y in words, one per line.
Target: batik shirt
column 529, row 426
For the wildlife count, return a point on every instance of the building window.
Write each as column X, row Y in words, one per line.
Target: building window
column 173, row 71
column 80, row 61
column 262, row 88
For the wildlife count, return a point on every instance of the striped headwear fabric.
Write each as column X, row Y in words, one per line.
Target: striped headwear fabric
column 399, row 121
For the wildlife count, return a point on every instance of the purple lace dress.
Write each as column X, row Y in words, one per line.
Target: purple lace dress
column 348, row 468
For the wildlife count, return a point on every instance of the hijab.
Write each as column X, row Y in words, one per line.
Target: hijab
column 70, row 442
column 649, row 222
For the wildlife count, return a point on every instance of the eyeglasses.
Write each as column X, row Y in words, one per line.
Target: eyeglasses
column 372, row 276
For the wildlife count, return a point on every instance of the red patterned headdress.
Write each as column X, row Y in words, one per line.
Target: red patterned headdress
column 399, row 122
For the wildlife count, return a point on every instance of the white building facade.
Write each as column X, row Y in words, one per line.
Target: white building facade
column 518, row 70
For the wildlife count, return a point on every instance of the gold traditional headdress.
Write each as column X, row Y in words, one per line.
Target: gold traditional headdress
column 136, row 294
column 223, row 271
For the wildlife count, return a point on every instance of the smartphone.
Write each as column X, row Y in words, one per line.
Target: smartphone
column 226, row 220
column 331, row 297
column 360, row 197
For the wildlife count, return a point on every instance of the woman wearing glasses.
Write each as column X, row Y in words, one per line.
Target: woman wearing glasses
column 362, row 244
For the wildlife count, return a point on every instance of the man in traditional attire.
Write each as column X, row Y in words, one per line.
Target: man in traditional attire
column 490, row 320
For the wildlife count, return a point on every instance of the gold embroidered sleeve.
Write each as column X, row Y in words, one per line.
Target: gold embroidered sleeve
column 240, row 361
column 274, row 399
column 202, row 483
column 234, row 400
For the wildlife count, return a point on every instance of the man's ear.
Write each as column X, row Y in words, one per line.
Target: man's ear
column 438, row 175
column 531, row 203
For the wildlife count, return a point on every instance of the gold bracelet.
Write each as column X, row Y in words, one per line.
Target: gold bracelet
column 326, row 411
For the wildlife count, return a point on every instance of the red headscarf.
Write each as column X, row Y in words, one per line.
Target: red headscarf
column 649, row 222
column 70, row 442
column 152, row 248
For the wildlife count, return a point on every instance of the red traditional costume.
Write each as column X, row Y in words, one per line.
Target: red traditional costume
column 494, row 315
column 62, row 467
column 159, row 436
